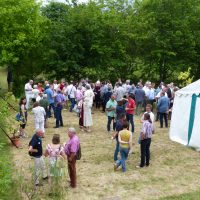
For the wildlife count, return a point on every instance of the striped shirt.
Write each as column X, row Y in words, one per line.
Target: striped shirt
column 147, row 129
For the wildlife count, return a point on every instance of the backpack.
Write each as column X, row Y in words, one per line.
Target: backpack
column 78, row 153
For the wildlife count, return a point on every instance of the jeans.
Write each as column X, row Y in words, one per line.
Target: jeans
column 109, row 123
column 165, row 116
column 129, row 118
column 145, row 151
column 51, row 105
column 59, row 121
column 124, row 155
column 73, row 102
column 116, row 150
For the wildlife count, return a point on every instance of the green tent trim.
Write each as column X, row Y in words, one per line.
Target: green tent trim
column 192, row 114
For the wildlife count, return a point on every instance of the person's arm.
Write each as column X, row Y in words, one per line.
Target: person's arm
column 130, row 142
column 32, row 150
column 120, row 140
column 46, row 153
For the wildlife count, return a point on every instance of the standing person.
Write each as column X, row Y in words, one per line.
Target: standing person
column 97, row 92
column 28, row 92
column 35, row 93
column 149, row 111
column 87, row 105
column 71, row 148
column 163, row 108
column 130, row 111
column 145, row 141
column 125, row 142
column 111, row 112
column 119, row 127
column 35, row 150
column 71, row 92
column 139, row 98
column 54, row 151
column 39, row 116
column 120, row 92
column 120, row 109
column 23, row 116
column 59, row 100
column 50, row 98
column 150, row 94
column 44, row 103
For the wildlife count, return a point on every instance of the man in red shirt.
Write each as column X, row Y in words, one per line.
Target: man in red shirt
column 130, row 111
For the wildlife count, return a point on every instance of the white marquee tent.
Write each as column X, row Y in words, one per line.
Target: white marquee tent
column 185, row 122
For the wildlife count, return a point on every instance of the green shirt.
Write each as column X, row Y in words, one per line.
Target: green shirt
column 111, row 104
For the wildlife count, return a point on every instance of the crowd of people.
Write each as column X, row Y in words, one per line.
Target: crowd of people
column 120, row 102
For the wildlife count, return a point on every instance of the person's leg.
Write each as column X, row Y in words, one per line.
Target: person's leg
column 41, row 125
column 43, row 168
column 37, row 126
column 116, row 150
column 128, row 120
column 72, row 172
column 114, row 123
column 72, row 100
column 166, row 119
column 161, row 119
column 131, row 122
column 148, row 151
column 57, row 116
column 143, row 152
column 37, row 170
column 27, row 101
column 108, row 123
column 124, row 155
column 61, row 120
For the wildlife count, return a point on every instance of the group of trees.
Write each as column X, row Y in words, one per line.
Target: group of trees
column 148, row 39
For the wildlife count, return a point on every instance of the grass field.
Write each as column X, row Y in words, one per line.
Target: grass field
column 174, row 169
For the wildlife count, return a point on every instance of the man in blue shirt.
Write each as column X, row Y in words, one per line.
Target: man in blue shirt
column 163, row 108
column 50, row 99
column 59, row 100
column 35, row 150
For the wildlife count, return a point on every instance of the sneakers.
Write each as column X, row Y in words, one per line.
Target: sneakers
column 115, row 167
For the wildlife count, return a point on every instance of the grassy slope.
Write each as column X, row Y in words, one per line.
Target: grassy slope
column 7, row 186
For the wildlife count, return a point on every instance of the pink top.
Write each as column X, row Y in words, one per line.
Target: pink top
column 72, row 145
column 54, row 152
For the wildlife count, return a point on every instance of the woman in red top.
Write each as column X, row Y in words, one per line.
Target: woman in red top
column 130, row 111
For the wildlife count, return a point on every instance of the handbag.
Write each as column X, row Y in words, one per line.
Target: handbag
column 18, row 117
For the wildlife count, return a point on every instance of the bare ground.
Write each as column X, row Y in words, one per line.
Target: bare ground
column 174, row 168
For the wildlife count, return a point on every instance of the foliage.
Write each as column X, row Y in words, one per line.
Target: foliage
column 148, row 39
column 185, row 77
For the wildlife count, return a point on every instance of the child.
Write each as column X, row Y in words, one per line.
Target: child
column 125, row 142
column 145, row 140
column 54, row 151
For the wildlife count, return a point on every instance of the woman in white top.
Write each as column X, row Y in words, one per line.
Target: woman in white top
column 87, row 105
column 39, row 116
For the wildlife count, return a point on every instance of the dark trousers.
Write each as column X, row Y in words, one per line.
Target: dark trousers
column 51, row 105
column 103, row 106
column 72, row 172
column 165, row 116
column 59, row 121
column 129, row 118
column 110, row 119
column 145, row 152
column 73, row 102
column 98, row 101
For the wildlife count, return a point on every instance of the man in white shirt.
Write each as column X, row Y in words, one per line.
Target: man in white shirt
column 71, row 92
column 28, row 92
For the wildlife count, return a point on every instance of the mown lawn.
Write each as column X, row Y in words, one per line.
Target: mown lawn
column 174, row 169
